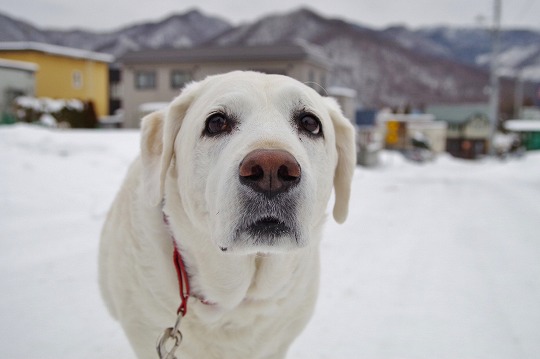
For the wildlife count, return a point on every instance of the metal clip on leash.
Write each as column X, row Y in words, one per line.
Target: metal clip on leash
column 172, row 335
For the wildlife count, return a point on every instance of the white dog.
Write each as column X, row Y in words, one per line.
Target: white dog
column 237, row 172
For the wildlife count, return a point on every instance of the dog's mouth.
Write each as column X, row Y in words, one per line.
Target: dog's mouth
column 265, row 226
column 266, row 233
column 268, row 227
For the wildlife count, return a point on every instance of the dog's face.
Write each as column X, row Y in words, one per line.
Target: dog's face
column 256, row 157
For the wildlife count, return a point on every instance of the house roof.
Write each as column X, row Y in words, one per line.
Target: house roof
column 226, row 54
column 523, row 125
column 458, row 113
column 55, row 50
column 18, row 65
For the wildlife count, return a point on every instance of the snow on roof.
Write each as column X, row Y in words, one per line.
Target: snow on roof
column 19, row 65
column 401, row 117
column 56, row 50
column 459, row 113
column 523, row 125
column 152, row 106
column 342, row 91
column 295, row 52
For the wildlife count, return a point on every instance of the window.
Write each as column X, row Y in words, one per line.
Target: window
column 179, row 78
column 114, row 90
column 76, row 79
column 145, row 80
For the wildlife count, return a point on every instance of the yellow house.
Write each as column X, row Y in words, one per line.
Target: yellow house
column 65, row 72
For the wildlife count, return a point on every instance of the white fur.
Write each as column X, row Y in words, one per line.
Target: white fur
column 262, row 296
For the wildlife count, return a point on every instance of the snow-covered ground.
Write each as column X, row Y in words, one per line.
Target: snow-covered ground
column 436, row 261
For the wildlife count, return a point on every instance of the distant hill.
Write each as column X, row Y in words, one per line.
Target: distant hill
column 181, row 30
column 520, row 49
column 393, row 66
column 380, row 69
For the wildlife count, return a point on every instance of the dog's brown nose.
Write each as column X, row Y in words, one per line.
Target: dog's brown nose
column 269, row 171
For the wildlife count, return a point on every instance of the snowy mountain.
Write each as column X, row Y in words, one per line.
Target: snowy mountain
column 380, row 69
column 520, row 49
column 387, row 67
column 15, row 30
column 189, row 29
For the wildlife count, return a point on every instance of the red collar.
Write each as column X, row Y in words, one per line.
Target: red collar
column 181, row 273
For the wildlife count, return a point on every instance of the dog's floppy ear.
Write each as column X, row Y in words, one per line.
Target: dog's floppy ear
column 158, row 134
column 346, row 150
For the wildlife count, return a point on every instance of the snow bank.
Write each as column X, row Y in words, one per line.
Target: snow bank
column 49, row 105
column 438, row 260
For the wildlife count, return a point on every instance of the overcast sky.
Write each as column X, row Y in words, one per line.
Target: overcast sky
column 113, row 14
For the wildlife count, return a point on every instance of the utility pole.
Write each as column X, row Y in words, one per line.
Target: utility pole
column 494, row 76
column 518, row 95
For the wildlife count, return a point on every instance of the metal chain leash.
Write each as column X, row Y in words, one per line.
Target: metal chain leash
column 170, row 335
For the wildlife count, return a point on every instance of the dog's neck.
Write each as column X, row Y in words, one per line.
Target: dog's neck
column 228, row 280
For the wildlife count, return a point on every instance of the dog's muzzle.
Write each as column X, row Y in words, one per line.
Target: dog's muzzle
column 270, row 179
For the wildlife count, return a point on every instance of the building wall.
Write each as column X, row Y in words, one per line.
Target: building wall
column 467, row 148
column 132, row 97
column 14, row 82
column 65, row 77
column 477, row 127
column 434, row 131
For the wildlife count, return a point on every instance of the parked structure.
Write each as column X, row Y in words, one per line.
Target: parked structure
column 468, row 129
column 528, row 130
column 530, row 113
column 17, row 78
column 369, row 137
column 527, row 127
column 159, row 75
column 402, row 130
column 65, row 73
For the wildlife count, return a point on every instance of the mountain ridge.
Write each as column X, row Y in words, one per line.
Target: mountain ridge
column 386, row 67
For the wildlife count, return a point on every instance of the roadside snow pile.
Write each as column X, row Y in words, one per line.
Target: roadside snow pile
column 49, row 105
column 55, row 112
column 438, row 260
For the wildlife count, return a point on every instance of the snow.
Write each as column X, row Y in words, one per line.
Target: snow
column 531, row 72
column 523, row 125
column 57, row 50
column 438, row 260
column 515, row 55
column 19, row 65
column 342, row 92
column 152, row 106
column 47, row 120
column 45, row 104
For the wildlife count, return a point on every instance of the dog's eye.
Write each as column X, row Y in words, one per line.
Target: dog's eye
column 311, row 124
column 217, row 123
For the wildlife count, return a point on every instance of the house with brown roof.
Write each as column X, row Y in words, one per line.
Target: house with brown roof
column 157, row 76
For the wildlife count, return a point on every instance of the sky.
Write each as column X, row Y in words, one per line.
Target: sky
column 104, row 15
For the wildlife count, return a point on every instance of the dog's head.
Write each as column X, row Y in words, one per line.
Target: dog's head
column 251, row 159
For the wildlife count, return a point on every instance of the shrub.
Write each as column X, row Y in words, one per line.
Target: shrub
column 67, row 113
